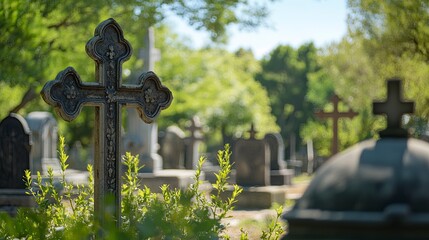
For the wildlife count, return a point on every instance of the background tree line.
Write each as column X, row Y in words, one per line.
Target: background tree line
column 227, row 90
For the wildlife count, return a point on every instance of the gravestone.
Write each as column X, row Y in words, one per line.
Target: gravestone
column 192, row 143
column 142, row 138
column 376, row 189
column 173, row 148
column 293, row 162
column 68, row 94
column 15, row 147
column 279, row 175
column 335, row 115
column 252, row 161
column 44, row 134
column 252, row 164
column 75, row 160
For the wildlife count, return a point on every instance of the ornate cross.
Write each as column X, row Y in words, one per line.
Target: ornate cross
column 335, row 115
column 394, row 108
column 68, row 94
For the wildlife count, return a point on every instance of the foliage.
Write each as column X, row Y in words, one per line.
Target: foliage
column 174, row 214
column 42, row 37
column 286, row 76
column 216, row 85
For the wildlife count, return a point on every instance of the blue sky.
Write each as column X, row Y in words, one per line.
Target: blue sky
column 292, row 22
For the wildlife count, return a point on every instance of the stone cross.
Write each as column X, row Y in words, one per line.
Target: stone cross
column 252, row 132
column 142, row 138
column 335, row 115
column 192, row 143
column 68, row 94
column 394, row 108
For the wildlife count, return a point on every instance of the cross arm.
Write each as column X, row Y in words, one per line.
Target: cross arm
column 67, row 94
column 149, row 97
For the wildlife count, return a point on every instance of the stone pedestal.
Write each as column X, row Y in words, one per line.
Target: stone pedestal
column 257, row 197
column 175, row 178
column 12, row 199
column 210, row 170
column 281, row 177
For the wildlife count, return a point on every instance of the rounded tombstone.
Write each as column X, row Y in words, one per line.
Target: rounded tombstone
column 377, row 189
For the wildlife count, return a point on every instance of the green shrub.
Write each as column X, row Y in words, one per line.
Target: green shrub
column 173, row 214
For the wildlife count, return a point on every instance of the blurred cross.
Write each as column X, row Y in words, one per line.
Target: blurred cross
column 393, row 108
column 252, row 131
column 335, row 115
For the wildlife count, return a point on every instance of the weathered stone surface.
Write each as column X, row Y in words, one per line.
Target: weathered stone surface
column 142, row 138
column 376, row 189
column 68, row 94
column 174, row 178
column 252, row 161
column 192, row 143
column 15, row 146
column 257, row 197
column 276, row 146
column 279, row 175
column 44, row 135
column 173, row 148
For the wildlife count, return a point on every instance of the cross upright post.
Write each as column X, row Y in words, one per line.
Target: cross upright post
column 252, row 131
column 68, row 94
column 335, row 115
column 393, row 108
column 192, row 143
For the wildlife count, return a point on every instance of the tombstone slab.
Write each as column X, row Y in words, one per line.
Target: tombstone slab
column 15, row 147
column 252, row 162
column 279, row 175
column 44, row 135
column 173, row 148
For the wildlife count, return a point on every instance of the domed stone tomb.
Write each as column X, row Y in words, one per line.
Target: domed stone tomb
column 377, row 189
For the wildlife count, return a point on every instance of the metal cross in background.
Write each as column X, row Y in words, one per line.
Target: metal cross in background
column 394, row 108
column 68, row 94
column 335, row 115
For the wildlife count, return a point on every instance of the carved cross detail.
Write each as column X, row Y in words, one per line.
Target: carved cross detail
column 252, row 131
column 394, row 108
column 335, row 115
column 68, row 94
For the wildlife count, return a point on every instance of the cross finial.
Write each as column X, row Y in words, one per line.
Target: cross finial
column 393, row 108
column 252, row 131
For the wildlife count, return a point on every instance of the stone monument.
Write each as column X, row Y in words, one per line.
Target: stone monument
column 377, row 189
column 43, row 127
column 173, row 148
column 15, row 147
column 251, row 159
column 68, row 94
column 279, row 175
column 192, row 143
column 142, row 138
